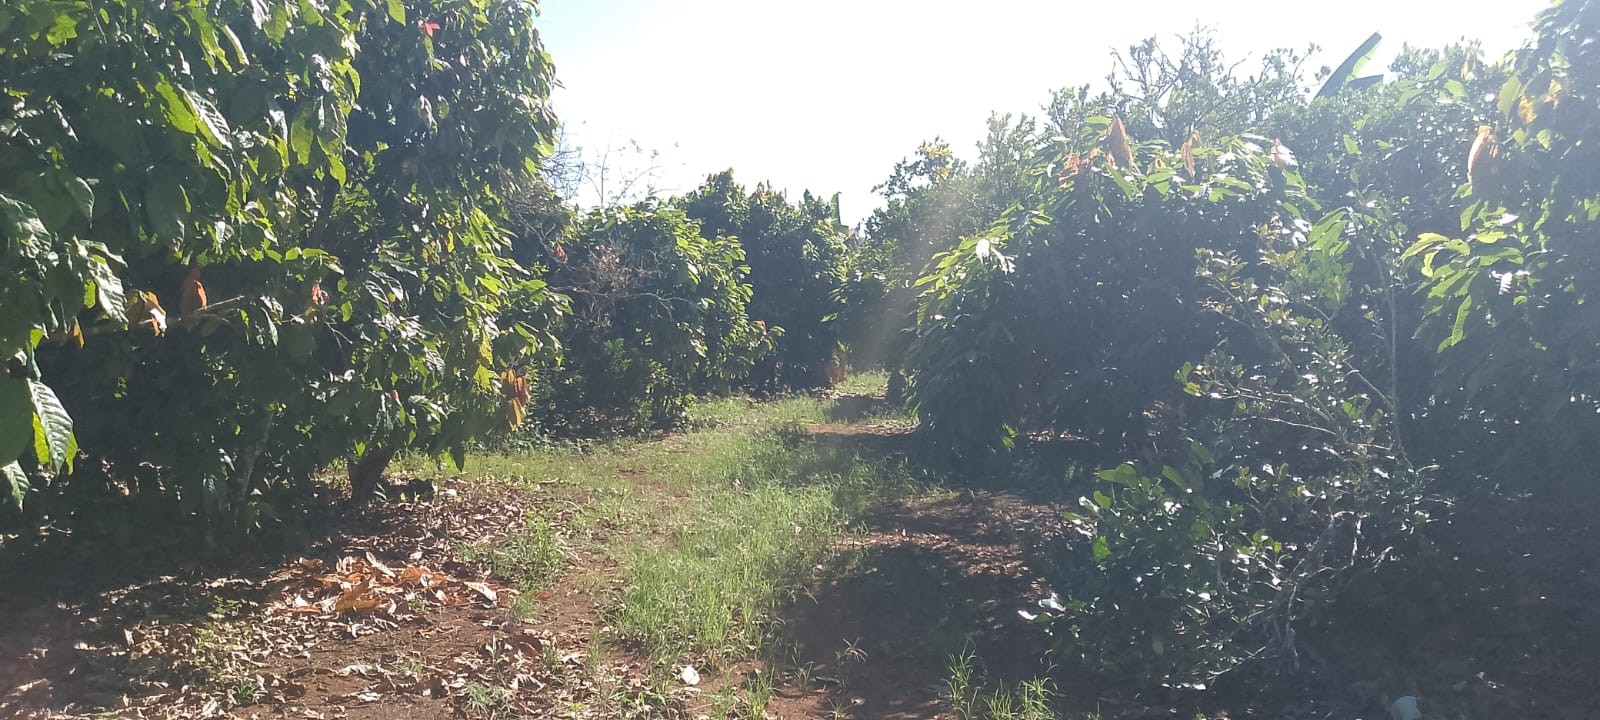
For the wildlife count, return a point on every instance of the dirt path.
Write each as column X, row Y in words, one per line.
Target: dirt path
column 932, row 576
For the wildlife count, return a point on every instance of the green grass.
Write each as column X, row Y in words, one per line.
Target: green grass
column 712, row 529
column 530, row 557
column 478, row 700
column 710, row 588
column 1028, row 700
column 762, row 505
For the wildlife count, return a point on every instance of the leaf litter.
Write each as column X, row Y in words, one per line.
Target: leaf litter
column 380, row 620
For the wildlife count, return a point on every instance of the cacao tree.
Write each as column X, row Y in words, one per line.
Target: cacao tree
column 796, row 254
column 273, row 239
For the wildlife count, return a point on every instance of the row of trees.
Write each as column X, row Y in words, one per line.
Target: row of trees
column 721, row 289
column 1295, row 319
column 245, row 241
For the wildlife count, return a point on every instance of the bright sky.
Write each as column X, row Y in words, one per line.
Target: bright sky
column 828, row 94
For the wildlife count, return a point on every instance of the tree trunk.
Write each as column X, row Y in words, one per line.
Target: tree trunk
column 367, row 471
column 896, row 393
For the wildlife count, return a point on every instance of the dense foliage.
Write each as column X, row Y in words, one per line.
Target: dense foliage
column 246, row 239
column 1289, row 351
column 658, row 314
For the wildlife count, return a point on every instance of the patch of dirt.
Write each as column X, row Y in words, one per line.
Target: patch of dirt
column 930, row 577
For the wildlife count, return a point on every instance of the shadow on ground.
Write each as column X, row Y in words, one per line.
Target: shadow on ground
column 102, row 618
column 928, row 577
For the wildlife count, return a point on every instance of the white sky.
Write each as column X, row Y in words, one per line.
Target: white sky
column 828, row 94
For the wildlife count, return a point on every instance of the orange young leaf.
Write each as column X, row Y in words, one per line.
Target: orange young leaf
column 1480, row 160
column 1117, row 145
column 194, row 294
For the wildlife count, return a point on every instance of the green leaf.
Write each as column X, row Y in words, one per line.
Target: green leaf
column 277, row 24
column 53, row 441
column 1328, row 229
column 81, row 193
column 109, row 294
column 165, row 206
column 213, row 127
column 63, row 29
column 1510, row 93
column 1424, row 241
column 1102, row 550
column 301, row 133
column 397, row 11
column 17, row 480
column 1458, row 330
column 177, row 110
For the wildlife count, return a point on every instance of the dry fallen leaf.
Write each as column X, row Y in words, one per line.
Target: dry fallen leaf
column 487, row 592
column 380, row 567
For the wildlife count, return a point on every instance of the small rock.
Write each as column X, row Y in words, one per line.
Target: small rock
column 1405, row 708
column 690, row 675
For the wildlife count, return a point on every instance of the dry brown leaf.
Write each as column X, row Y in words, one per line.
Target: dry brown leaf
column 1070, row 167
column 301, row 605
column 357, row 597
column 380, row 567
column 487, row 592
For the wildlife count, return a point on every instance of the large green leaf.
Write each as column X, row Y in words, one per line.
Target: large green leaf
column 177, row 110
column 53, row 441
column 1345, row 74
column 110, row 295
